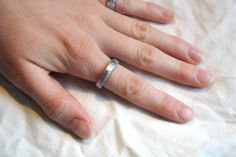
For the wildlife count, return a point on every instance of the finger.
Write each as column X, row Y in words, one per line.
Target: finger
column 151, row 59
column 55, row 101
column 131, row 87
column 125, row 88
column 169, row 44
column 145, row 10
column 168, row 106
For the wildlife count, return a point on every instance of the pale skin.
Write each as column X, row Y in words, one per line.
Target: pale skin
column 79, row 37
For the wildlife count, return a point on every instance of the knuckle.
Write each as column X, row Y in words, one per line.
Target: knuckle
column 132, row 86
column 87, row 64
column 166, row 100
column 80, row 51
column 89, row 23
column 146, row 55
column 175, row 40
column 149, row 6
column 54, row 109
column 102, row 2
column 169, row 105
column 124, row 5
column 77, row 48
column 85, row 47
column 180, row 72
column 164, row 104
column 140, row 30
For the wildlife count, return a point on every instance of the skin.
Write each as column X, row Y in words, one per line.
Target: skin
column 77, row 37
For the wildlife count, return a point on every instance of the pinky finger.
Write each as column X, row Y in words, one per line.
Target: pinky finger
column 145, row 10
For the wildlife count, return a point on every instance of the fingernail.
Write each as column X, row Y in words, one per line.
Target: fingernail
column 204, row 76
column 195, row 54
column 167, row 14
column 81, row 128
column 185, row 113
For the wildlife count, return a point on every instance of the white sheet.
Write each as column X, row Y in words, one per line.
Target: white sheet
column 126, row 131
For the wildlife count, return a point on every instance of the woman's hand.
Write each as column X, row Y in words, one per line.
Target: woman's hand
column 78, row 37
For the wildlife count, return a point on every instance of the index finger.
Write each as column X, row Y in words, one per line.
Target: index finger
column 139, row 92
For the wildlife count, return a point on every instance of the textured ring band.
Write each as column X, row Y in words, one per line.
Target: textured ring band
column 110, row 67
column 111, row 4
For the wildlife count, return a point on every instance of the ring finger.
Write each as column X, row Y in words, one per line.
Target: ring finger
column 151, row 59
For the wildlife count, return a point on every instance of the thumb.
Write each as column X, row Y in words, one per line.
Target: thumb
column 55, row 101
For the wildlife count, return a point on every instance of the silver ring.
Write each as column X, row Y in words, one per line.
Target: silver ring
column 107, row 72
column 111, row 4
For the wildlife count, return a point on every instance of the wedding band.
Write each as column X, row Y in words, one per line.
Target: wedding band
column 107, row 72
column 111, row 4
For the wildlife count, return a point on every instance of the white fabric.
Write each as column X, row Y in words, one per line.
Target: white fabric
column 126, row 131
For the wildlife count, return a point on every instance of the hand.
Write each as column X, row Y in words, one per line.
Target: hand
column 79, row 37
